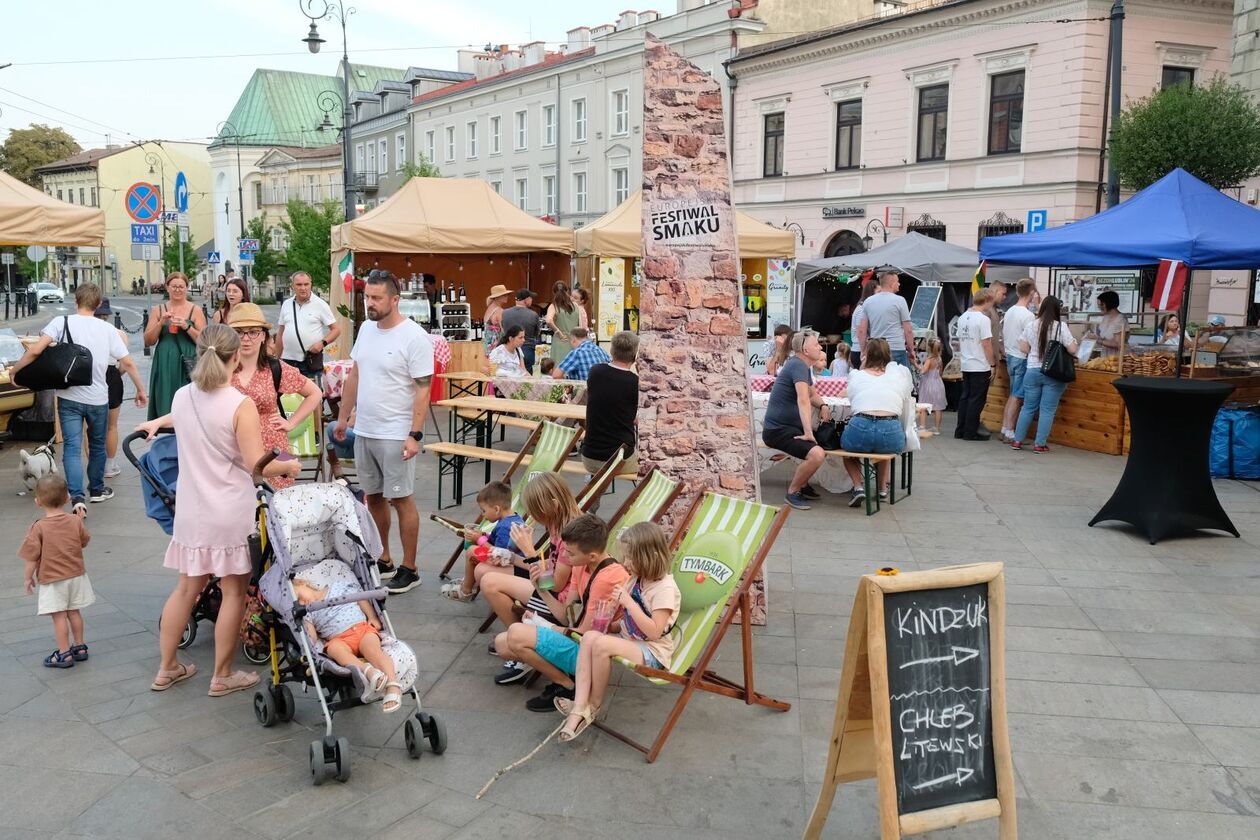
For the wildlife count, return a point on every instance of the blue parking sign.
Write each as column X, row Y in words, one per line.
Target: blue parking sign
column 1037, row 220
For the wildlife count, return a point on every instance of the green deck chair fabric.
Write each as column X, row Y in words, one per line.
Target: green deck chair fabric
column 554, row 442
column 304, row 439
column 708, row 566
column 646, row 507
column 584, row 496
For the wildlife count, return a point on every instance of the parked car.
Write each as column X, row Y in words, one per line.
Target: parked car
column 47, row 292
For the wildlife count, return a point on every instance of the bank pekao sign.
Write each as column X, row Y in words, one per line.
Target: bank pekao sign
column 685, row 223
column 849, row 211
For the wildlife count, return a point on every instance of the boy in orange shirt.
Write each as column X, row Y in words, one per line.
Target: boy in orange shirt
column 550, row 651
column 53, row 553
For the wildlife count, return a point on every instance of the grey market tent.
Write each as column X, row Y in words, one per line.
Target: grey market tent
column 922, row 257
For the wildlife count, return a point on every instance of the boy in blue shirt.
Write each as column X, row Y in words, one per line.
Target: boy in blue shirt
column 495, row 501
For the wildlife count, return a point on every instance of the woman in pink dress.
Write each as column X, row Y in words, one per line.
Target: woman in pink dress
column 255, row 377
column 219, row 442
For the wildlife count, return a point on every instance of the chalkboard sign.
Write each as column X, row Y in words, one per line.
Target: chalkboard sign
column 924, row 306
column 939, row 696
column 922, row 702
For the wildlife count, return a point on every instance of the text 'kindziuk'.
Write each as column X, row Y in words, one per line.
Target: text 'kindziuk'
column 685, row 223
column 917, row 621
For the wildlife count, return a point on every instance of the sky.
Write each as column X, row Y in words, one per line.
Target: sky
column 107, row 69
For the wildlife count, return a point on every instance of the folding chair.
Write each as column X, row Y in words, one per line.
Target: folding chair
column 306, row 439
column 544, row 451
column 718, row 551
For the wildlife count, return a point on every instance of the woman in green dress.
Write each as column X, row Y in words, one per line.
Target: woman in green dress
column 562, row 316
column 173, row 328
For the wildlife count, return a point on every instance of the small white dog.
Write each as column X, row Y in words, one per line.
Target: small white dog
column 35, row 465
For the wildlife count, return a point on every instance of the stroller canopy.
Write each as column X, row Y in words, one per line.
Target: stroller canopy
column 160, row 471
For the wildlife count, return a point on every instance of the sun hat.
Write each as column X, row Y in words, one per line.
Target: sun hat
column 497, row 291
column 245, row 315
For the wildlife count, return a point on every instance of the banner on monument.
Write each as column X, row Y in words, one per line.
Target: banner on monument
column 686, row 222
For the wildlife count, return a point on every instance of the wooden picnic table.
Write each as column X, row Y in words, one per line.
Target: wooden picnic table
column 503, row 405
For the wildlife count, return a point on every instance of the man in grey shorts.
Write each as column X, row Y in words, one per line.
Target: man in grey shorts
column 393, row 363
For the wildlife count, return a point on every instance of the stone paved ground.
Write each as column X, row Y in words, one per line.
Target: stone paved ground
column 1134, row 688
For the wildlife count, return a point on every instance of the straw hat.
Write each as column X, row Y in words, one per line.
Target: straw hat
column 246, row 315
column 498, row 291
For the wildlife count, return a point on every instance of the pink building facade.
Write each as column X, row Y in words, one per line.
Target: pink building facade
column 958, row 119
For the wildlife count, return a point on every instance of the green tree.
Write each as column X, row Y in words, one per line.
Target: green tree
column 170, row 254
column 309, row 230
column 27, row 149
column 1211, row 131
column 423, row 169
column 268, row 262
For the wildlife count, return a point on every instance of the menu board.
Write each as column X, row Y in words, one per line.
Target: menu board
column 610, row 296
column 939, row 696
column 924, row 306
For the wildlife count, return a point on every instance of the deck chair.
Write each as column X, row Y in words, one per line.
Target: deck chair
column 306, row 439
column 547, row 447
column 726, row 539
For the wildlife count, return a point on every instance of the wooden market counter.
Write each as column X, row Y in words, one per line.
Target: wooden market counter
column 1091, row 415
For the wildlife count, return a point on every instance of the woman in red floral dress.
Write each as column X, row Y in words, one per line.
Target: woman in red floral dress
column 254, row 378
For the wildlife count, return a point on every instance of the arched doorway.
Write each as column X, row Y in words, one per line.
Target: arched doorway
column 844, row 243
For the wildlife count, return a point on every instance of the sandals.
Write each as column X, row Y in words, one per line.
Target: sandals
column 393, row 698
column 585, row 715
column 375, row 678
column 166, row 679
column 236, row 681
column 79, row 652
column 454, row 590
column 59, row 659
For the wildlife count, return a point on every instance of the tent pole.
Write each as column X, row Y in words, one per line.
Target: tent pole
column 1182, row 312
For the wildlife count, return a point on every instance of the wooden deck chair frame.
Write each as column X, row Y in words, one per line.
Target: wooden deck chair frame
column 698, row 676
column 586, row 499
column 526, row 448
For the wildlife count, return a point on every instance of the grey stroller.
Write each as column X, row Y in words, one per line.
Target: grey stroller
column 324, row 533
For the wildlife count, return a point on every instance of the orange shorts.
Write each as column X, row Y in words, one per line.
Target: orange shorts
column 353, row 637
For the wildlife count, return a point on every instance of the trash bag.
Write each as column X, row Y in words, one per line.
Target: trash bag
column 1235, row 447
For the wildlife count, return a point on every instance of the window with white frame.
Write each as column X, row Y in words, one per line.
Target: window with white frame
column 258, row 195
column 849, row 134
column 1006, row 112
column 496, row 184
column 549, row 125
column 277, row 238
column 430, row 147
column 620, row 112
column 933, row 122
column 284, row 190
column 275, row 187
column 359, row 158
column 371, row 159
column 549, row 194
column 312, row 189
column 382, row 147
column 450, row 143
column 400, row 141
column 772, row 145
column 472, row 138
column 522, row 130
column 496, row 135
column 522, row 192
column 579, row 120
column 620, row 184
column 332, row 187
column 579, row 192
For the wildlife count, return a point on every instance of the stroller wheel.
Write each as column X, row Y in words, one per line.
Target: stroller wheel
column 256, row 649
column 413, row 741
column 435, row 731
column 341, row 759
column 285, row 707
column 317, row 762
column 189, row 635
column 265, row 708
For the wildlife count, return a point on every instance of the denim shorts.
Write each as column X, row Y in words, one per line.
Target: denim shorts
column 1015, row 370
column 558, row 649
column 882, row 436
column 649, row 658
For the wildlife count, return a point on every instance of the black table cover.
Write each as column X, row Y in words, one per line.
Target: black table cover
column 1167, row 487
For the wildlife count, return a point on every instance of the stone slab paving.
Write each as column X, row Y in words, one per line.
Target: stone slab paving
column 1133, row 689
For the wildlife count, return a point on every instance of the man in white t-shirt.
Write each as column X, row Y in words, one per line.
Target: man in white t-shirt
column 975, row 350
column 306, row 325
column 86, row 404
column 1013, row 323
column 393, row 367
column 886, row 315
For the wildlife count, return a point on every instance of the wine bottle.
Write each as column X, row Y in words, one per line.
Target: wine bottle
column 441, row 294
column 462, row 297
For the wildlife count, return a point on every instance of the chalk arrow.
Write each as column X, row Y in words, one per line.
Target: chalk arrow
column 959, row 655
column 959, row 776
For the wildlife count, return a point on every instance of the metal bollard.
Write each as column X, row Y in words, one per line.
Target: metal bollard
column 144, row 324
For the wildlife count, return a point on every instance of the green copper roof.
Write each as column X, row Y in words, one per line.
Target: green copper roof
column 281, row 108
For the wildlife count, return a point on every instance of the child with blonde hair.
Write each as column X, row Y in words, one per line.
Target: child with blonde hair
column 53, row 554
column 931, row 386
column 649, row 602
column 840, row 365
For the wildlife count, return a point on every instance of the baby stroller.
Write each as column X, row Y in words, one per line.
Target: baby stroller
column 159, row 473
column 324, row 534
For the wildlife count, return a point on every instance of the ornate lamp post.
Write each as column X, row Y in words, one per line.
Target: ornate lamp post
column 318, row 10
column 869, row 240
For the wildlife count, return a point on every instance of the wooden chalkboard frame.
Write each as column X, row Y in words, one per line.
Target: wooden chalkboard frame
column 861, row 737
column 926, row 291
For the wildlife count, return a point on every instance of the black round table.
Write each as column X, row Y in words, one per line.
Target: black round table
column 1167, row 487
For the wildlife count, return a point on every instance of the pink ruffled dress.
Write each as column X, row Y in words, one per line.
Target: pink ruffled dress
column 214, row 499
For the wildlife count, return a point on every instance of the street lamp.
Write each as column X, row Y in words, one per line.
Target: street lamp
column 869, row 240
column 795, row 227
column 318, row 10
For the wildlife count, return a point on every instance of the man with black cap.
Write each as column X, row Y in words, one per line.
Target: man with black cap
column 523, row 315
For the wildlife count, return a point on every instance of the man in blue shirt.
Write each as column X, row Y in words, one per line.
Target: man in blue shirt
column 584, row 356
column 788, row 425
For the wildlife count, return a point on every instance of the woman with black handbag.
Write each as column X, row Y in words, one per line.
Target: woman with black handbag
column 1051, row 366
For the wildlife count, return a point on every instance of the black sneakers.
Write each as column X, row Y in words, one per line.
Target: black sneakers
column 103, row 496
column 385, row 569
column 546, row 702
column 511, row 672
column 404, row 580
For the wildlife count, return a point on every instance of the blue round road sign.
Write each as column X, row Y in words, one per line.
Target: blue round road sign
column 143, row 202
column 181, row 193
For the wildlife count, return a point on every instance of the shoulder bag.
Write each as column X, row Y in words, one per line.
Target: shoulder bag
column 312, row 364
column 586, row 595
column 828, row 433
column 61, row 365
column 1058, row 363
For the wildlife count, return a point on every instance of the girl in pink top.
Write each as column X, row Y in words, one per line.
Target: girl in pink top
column 219, row 441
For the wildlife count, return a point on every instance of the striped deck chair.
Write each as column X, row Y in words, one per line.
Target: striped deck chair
column 726, row 540
column 305, row 439
column 547, row 447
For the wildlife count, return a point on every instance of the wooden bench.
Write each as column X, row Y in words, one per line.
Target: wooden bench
column 868, row 460
column 467, row 452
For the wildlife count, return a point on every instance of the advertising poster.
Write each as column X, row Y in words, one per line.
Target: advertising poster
column 611, row 296
column 778, row 293
column 1079, row 290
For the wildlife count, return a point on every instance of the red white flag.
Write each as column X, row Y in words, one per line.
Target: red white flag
column 1170, row 283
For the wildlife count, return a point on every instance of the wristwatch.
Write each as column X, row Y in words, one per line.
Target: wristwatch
column 416, row 436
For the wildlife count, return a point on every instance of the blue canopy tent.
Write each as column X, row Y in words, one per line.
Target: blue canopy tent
column 1178, row 217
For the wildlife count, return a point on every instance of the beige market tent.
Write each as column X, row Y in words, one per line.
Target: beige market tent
column 619, row 233
column 29, row 217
